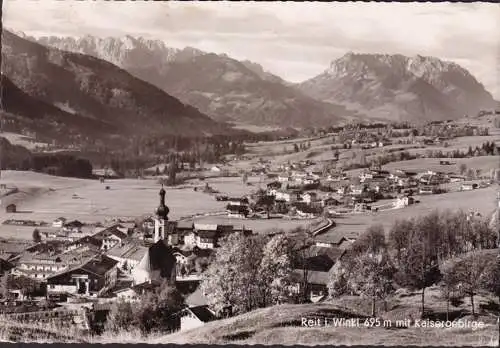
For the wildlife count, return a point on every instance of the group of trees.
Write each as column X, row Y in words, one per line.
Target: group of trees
column 453, row 248
column 62, row 164
column 156, row 311
column 249, row 272
column 302, row 146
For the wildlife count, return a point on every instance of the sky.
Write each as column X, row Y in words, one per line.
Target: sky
column 293, row 40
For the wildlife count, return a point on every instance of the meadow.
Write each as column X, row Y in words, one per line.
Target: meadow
column 481, row 200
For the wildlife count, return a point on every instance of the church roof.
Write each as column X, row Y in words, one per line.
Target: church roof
column 159, row 257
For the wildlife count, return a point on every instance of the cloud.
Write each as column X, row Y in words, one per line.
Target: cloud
column 290, row 39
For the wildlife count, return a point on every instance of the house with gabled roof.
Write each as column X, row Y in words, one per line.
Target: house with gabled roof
column 193, row 317
column 91, row 278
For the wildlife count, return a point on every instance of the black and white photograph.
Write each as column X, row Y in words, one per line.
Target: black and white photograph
column 271, row 173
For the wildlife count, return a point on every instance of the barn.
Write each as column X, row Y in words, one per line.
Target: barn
column 11, row 208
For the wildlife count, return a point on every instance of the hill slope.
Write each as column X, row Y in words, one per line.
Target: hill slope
column 98, row 91
column 23, row 113
column 397, row 87
column 223, row 88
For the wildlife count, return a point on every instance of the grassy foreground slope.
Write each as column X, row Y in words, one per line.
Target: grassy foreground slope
column 283, row 325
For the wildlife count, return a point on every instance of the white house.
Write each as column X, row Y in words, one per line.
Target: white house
column 287, row 196
column 283, row 178
column 216, row 169
column 309, row 197
column 193, row 317
column 59, row 222
column 403, row 201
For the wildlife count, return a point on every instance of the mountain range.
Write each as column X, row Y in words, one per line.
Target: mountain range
column 134, row 85
column 396, row 87
column 91, row 94
column 222, row 87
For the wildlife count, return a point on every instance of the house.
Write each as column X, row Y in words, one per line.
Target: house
column 90, row 279
column 74, row 226
column 468, row 186
column 426, row 190
column 216, row 169
column 238, row 201
column 11, row 208
column 237, row 211
column 132, row 293
column 128, row 255
column 84, row 243
column 158, row 264
column 193, row 317
column 110, row 237
column 274, row 185
column 309, row 197
column 329, row 201
column 59, row 222
column 43, row 265
column 287, row 195
column 284, row 178
column 403, row 201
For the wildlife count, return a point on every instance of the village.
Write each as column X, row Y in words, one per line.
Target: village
column 79, row 268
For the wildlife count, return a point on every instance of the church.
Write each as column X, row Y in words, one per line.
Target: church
column 159, row 263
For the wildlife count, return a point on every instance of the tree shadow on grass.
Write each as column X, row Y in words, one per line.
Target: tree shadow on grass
column 241, row 335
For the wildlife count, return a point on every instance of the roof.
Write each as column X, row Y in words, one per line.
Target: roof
column 160, row 257
column 207, row 234
column 185, row 225
column 202, row 313
column 205, row 227
column 74, row 223
column 99, row 265
column 130, row 251
column 313, row 277
column 113, row 230
column 237, row 208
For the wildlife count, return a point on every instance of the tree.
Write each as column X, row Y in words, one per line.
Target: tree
column 121, row 317
column 399, row 237
column 244, row 178
column 295, row 148
column 468, row 272
column 276, row 271
column 231, row 280
column 37, row 237
column 373, row 276
column 462, row 168
column 419, row 267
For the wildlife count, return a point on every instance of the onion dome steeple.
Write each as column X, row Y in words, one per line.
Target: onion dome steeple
column 162, row 210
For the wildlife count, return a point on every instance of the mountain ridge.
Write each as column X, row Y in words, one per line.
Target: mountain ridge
column 97, row 89
column 398, row 87
column 222, row 87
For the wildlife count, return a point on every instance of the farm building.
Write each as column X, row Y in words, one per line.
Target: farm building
column 59, row 222
column 11, row 208
column 96, row 275
column 193, row 317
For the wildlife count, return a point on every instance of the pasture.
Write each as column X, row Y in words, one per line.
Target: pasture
column 89, row 201
column 259, row 225
column 484, row 163
column 480, row 200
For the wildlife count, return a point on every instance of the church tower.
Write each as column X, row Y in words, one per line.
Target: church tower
column 161, row 218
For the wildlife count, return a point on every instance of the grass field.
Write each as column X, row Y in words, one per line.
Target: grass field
column 484, row 163
column 283, row 325
column 258, row 226
column 480, row 200
column 45, row 198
